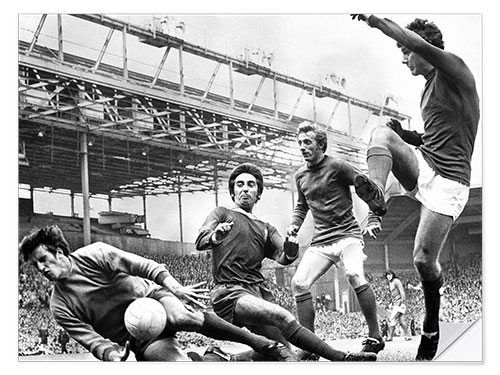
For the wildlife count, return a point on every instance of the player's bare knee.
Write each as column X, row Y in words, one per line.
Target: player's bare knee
column 300, row 286
column 355, row 278
column 279, row 316
column 426, row 266
column 284, row 319
column 420, row 262
column 381, row 135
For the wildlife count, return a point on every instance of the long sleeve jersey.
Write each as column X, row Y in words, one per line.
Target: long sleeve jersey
column 449, row 105
column 237, row 258
column 325, row 189
column 398, row 295
column 90, row 304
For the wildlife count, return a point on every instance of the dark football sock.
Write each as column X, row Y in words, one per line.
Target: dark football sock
column 304, row 339
column 305, row 310
column 217, row 328
column 368, row 306
column 379, row 161
column 432, row 299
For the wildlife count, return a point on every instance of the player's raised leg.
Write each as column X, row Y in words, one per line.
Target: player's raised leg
column 386, row 152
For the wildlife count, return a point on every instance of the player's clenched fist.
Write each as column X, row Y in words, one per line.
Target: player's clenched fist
column 220, row 231
column 291, row 247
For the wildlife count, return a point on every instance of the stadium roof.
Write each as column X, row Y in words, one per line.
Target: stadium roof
column 148, row 135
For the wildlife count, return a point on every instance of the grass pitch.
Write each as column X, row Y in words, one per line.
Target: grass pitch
column 398, row 350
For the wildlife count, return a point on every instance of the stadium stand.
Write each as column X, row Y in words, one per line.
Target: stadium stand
column 462, row 301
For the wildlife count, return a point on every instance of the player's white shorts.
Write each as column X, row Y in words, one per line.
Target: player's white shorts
column 438, row 194
column 396, row 313
column 347, row 250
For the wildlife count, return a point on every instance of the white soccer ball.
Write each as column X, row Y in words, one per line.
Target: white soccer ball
column 145, row 318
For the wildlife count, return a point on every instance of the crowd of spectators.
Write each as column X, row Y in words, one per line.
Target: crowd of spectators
column 462, row 302
column 461, row 293
column 187, row 269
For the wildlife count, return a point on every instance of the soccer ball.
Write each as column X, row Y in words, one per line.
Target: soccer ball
column 145, row 318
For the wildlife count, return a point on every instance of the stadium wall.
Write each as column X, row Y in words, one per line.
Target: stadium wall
column 72, row 230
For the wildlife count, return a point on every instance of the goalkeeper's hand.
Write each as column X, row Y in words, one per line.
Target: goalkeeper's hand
column 373, row 225
column 291, row 247
column 117, row 353
column 396, row 126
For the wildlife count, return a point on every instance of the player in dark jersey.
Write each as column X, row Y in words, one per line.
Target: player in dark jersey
column 239, row 242
column 323, row 187
column 436, row 171
column 398, row 303
column 94, row 285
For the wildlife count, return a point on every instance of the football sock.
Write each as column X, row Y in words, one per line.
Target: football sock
column 379, row 161
column 391, row 332
column 368, row 306
column 305, row 310
column 406, row 332
column 432, row 299
column 304, row 339
column 217, row 328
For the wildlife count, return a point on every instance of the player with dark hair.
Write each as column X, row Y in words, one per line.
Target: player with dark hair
column 398, row 302
column 239, row 242
column 436, row 171
column 94, row 285
column 323, row 186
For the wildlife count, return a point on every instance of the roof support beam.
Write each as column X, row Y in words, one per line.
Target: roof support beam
column 60, row 38
column 160, row 67
column 406, row 222
column 103, row 49
column 37, row 33
column 210, row 83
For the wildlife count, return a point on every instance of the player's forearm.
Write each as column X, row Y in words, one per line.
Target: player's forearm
column 171, row 284
column 86, row 336
column 132, row 264
column 300, row 210
column 203, row 241
column 299, row 214
column 205, row 234
column 401, row 35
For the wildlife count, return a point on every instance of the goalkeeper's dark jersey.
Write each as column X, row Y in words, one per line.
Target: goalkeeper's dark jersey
column 90, row 304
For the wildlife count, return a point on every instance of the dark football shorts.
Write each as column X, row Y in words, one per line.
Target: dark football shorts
column 225, row 296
